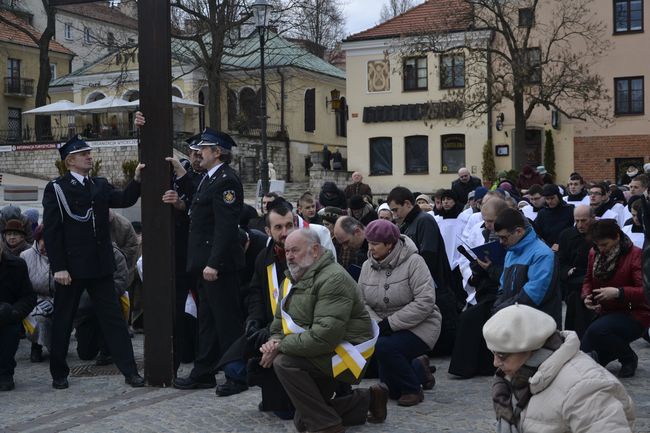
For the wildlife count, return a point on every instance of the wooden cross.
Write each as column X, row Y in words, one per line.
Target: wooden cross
column 154, row 41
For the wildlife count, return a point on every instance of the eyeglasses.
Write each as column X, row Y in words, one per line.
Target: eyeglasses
column 501, row 356
column 595, row 193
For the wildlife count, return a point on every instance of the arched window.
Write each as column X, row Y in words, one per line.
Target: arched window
column 249, row 106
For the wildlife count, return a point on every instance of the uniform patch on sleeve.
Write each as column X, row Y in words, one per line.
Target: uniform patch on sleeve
column 229, row 196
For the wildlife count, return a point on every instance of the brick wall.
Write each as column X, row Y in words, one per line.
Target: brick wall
column 594, row 157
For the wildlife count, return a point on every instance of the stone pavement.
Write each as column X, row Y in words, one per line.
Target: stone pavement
column 106, row 404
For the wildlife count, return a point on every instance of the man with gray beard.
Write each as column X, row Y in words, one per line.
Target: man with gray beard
column 319, row 321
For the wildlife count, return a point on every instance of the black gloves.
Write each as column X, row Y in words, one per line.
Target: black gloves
column 8, row 314
column 252, row 326
column 384, row 328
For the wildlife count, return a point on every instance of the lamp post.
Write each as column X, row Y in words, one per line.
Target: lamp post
column 262, row 12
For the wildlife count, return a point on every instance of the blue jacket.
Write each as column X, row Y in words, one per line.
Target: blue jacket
column 530, row 277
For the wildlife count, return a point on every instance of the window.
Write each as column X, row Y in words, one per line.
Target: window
column 526, row 17
column 87, row 35
column 415, row 74
column 13, row 68
column 249, row 108
column 381, row 156
column 452, row 71
column 14, row 123
column 628, row 16
column 533, row 61
column 453, row 152
column 52, row 71
column 310, row 110
column 67, row 31
column 342, row 119
column 416, row 151
column 628, row 95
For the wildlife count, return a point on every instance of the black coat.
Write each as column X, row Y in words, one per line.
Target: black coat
column 462, row 190
column 84, row 249
column 573, row 253
column 551, row 222
column 214, row 218
column 15, row 287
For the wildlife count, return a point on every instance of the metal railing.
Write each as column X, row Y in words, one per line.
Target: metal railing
column 253, row 129
column 19, row 86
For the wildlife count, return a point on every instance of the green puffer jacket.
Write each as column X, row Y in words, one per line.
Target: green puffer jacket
column 326, row 304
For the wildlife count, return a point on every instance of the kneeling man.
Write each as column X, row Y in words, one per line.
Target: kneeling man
column 322, row 334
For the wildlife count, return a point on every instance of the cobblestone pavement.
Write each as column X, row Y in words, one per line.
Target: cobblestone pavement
column 106, row 404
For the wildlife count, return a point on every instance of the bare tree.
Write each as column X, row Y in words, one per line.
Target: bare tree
column 531, row 55
column 318, row 21
column 394, row 8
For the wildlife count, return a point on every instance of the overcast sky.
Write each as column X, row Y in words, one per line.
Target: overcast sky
column 362, row 14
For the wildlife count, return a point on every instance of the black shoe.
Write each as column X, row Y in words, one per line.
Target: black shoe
column 231, row 387
column 628, row 368
column 7, row 383
column 36, row 354
column 190, row 383
column 103, row 359
column 60, row 383
column 135, row 380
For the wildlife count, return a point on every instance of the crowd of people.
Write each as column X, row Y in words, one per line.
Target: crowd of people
column 306, row 299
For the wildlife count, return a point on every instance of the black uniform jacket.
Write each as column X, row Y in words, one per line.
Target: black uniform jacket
column 214, row 218
column 84, row 249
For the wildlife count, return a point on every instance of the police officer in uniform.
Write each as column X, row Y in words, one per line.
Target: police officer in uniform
column 215, row 255
column 78, row 242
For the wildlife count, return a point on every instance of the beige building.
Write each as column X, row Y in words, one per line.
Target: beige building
column 19, row 58
column 301, row 115
column 392, row 143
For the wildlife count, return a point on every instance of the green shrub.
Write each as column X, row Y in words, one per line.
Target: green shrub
column 489, row 169
column 128, row 168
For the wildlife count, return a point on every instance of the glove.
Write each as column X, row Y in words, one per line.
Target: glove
column 252, row 326
column 44, row 308
column 384, row 328
column 259, row 337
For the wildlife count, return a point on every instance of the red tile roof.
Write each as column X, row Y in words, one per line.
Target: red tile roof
column 101, row 12
column 15, row 36
column 430, row 16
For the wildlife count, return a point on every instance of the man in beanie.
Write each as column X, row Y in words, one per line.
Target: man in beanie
column 361, row 210
column 78, row 242
column 552, row 219
column 544, row 383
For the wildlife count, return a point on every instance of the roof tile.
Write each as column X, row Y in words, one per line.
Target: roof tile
column 430, row 16
column 15, row 36
column 101, row 12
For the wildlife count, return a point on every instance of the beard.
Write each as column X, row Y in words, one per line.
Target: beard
column 298, row 269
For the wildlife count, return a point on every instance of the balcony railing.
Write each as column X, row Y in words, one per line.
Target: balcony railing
column 19, row 86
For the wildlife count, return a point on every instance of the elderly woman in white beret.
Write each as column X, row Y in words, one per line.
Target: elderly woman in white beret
column 545, row 384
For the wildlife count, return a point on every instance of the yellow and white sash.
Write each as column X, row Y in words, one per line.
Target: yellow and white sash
column 274, row 286
column 348, row 356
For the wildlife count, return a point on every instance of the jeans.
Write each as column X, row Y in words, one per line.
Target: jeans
column 394, row 354
column 8, row 346
column 235, row 370
column 610, row 336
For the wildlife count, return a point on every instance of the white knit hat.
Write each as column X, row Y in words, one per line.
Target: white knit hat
column 518, row 328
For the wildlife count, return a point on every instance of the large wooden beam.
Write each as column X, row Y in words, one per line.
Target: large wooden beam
column 157, row 219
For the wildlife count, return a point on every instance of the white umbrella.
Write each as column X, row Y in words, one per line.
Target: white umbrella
column 107, row 105
column 59, row 107
column 184, row 103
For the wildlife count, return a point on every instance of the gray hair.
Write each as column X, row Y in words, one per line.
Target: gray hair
column 311, row 237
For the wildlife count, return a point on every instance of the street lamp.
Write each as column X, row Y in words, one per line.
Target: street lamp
column 262, row 12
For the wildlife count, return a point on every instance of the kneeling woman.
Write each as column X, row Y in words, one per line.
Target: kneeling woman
column 613, row 288
column 399, row 294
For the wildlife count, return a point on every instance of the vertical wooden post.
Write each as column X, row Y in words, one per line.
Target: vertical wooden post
column 154, row 55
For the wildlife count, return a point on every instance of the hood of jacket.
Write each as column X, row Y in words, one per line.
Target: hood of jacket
column 549, row 369
column 403, row 249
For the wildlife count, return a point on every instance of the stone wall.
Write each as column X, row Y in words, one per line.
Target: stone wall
column 248, row 158
column 40, row 163
column 318, row 176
